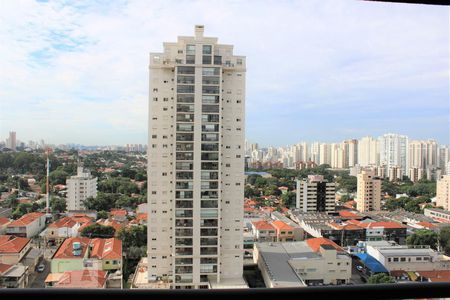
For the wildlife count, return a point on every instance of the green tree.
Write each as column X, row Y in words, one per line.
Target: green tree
column 58, row 204
column 22, row 209
column 444, row 239
column 289, row 199
column 250, row 192
column 251, row 179
column 423, row 237
column 103, row 201
column 380, row 278
column 102, row 215
column 58, row 177
column 98, row 231
column 347, row 183
column 272, row 190
column 134, row 236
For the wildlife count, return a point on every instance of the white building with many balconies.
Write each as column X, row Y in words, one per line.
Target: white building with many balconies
column 196, row 164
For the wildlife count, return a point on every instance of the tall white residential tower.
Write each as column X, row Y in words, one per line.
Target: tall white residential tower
column 79, row 188
column 196, row 164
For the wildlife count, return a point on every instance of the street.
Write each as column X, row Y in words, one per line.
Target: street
column 37, row 279
column 356, row 275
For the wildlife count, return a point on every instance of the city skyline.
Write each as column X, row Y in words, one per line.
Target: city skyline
column 86, row 75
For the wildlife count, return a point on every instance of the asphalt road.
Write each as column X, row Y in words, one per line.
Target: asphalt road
column 356, row 275
column 38, row 279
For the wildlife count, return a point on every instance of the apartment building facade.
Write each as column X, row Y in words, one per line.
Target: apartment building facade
column 79, row 188
column 368, row 194
column 196, row 163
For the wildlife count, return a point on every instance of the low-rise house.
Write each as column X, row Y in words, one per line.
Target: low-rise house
column 83, row 253
column 285, row 233
column 61, row 229
column 83, row 213
column 304, row 263
column 29, row 225
column 298, row 232
column 13, row 249
column 119, row 215
column 111, row 222
column 263, row 231
column 79, row 279
column 13, row 276
column 4, row 222
column 141, row 219
column 434, row 276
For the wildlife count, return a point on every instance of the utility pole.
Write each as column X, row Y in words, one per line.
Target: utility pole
column 47, row 207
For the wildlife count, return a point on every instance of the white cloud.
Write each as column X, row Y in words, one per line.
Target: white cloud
column 95, row 74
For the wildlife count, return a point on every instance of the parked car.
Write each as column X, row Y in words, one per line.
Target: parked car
column 359, row 268
column 40, row 268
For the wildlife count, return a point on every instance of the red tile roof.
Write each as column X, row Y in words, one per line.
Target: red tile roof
column 118, row 212
column 116, row 225
column 85, row 225
column 107, row 248
column 82, row 218
column 263, row 225
column 82, row 279
column 280, row 225
column 427, row 224
column 345, row 226
column 349, row 214
column 142, row 217
column 4, row 268
column 369, row 225
column 12, row 244
column 436, row 276
column 26, row 219
column 349, row 204
column 66, row 249
column 4, row 221
column 101, row 248
column 315, row 244
column 64, row 222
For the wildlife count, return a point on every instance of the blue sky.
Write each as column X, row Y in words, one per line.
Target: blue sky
column 77, row 71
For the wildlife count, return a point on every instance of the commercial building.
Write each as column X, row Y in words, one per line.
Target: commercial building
column 315, row 194
column 79, row 188
column 368, row 194
column 408, row 258
column 196, row 159
column 306, row 263
column 437, row 214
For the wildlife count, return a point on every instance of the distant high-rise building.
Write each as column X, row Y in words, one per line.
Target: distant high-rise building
column 351, row 152
column 11, row 141
column 394, row 151
column 79, row 188
column 443, row 192
column 415, row 174
column 325, row 154
column 315, row 194
column 368, row 153
column 444, row 159
column 196, row 164
column 368, row 194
